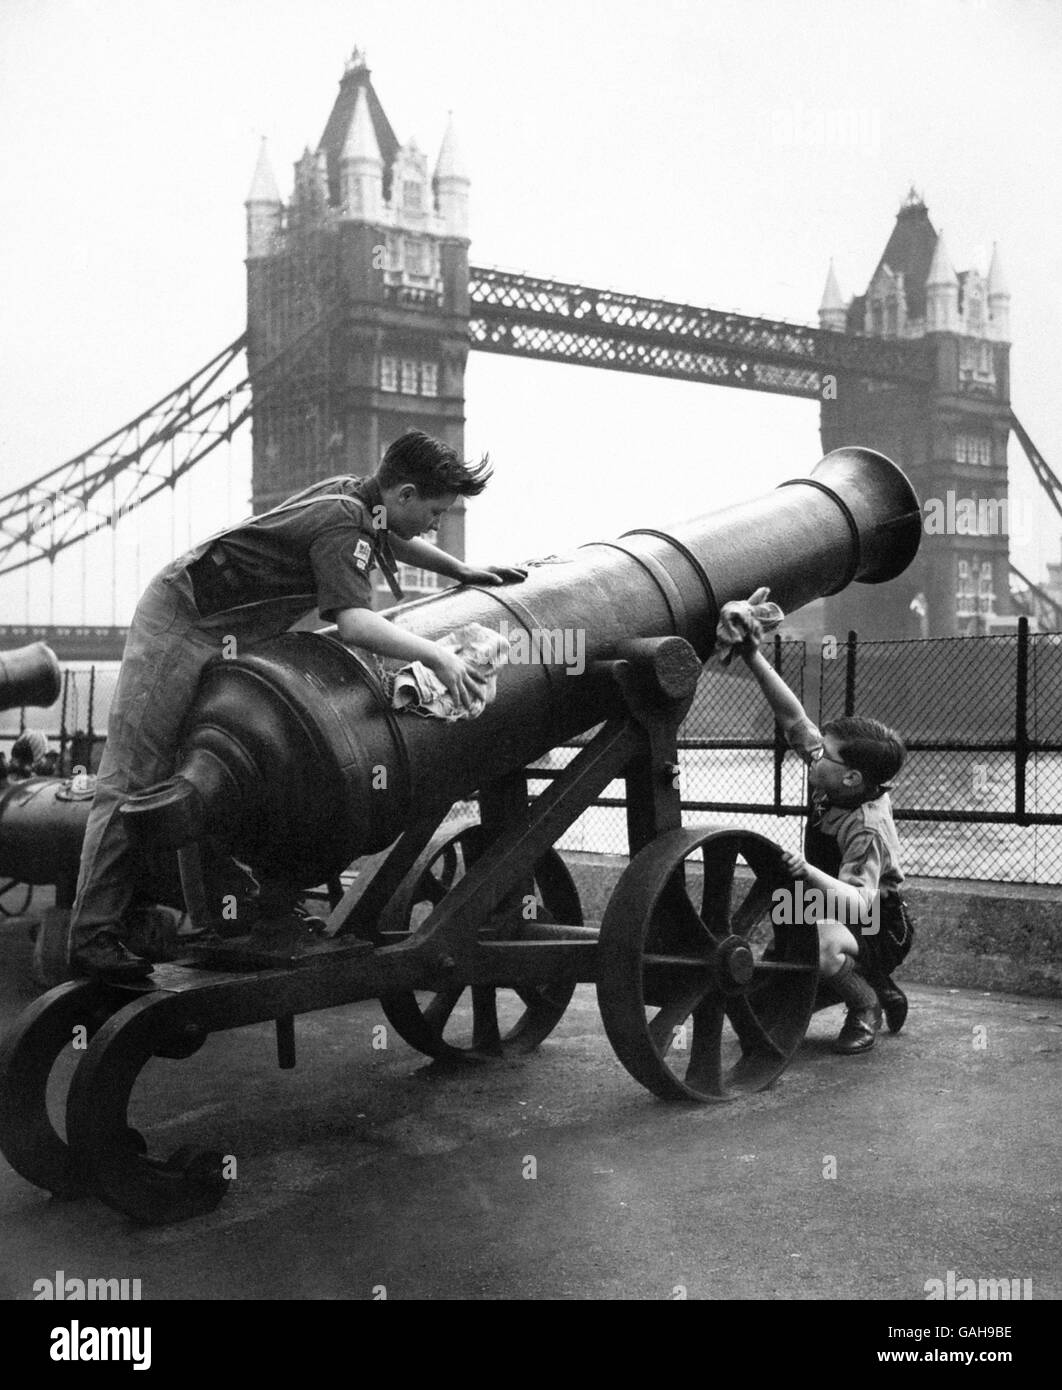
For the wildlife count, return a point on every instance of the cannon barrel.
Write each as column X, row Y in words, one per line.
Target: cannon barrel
column 42, row 825
column 291, row 758
column 29, row 676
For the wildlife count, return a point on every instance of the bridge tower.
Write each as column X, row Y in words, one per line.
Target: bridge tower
column 951, row 438
column 373, row 247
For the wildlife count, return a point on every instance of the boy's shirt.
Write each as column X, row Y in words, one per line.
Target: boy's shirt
column 865, row 834
column 319, row 554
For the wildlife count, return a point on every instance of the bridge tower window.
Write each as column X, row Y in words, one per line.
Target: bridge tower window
column 973, row 448
column 388, row 374
column 409, row 377
column 417, row 256
column 429, row 379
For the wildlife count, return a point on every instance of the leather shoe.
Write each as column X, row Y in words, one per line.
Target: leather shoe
column 893, row 1003
column 295, row 927
column 106, row 958
column 861, row 1028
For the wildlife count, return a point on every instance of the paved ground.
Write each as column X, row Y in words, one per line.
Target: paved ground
column 365, row 1168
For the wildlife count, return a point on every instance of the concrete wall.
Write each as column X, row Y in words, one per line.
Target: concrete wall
column 969, row 935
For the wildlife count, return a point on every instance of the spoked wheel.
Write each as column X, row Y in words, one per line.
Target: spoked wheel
column 504, row 1022
column 703, row 1001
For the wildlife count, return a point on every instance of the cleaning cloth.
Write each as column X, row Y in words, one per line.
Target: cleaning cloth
column 420, row 691
column 746, row 621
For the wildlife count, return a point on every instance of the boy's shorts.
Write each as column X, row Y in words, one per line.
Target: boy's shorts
column 880, row 954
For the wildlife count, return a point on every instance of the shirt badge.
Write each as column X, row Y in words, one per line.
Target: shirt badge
column 362, row 555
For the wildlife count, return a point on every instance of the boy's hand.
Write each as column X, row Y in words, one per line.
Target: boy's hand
column 743, row 623
column 795, row 864
column 494, row 574
column 463, row 681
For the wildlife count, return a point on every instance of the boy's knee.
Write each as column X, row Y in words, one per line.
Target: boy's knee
column 836, row 944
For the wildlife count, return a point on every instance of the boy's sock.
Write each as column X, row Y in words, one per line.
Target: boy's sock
column 852, row 987
column 863, row 1019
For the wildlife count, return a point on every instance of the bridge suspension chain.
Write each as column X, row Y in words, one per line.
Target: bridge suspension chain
column 94, row 490
column 1037, row 600
column 1048, row 480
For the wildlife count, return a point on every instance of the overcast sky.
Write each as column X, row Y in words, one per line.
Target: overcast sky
column 640, row 146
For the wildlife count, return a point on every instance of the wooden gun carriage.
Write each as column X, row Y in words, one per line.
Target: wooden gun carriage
column 291, row 758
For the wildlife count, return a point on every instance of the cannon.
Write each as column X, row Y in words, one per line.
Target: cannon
column 41, row 825
column 31, row 676
column 43, row 819
column 35, row 840
column 293, row 759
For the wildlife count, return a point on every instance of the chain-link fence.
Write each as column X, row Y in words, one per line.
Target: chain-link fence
column 980, row 795
column 76, row 725
column 734, row 766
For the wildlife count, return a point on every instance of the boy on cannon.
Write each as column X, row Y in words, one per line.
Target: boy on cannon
column 851, row 850
column 248, row 583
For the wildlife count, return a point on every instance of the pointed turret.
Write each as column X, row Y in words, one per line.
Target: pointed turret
column 998, row 299
column 264, row 208
column 942, row 292
column 361, row 166
column 452, row 183
column 833, row 312
column 263, row 185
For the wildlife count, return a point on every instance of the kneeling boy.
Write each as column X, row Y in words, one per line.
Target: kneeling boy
column 851, row 851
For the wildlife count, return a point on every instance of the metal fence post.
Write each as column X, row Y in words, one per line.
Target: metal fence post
column 89, row 729
column 850, row 674
column 62, row 716
column 779, row 740
column 1021, row 719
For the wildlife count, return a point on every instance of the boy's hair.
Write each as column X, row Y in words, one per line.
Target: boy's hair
column 870, row 747
column 435, row 468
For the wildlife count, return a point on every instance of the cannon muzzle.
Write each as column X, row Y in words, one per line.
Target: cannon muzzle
column 292, row 758
column 29, row 676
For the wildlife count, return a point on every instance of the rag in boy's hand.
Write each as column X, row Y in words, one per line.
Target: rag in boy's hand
column 745, row 622
column 420, row 691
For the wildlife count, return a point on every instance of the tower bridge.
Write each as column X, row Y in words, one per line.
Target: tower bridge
column 362, row 308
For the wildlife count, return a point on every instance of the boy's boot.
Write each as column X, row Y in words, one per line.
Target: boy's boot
column 893, row 1002
column 863, row 1021
column 106, row 957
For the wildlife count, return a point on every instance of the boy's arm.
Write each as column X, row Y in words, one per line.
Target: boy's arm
column 856, row 892
column 361, row 627
column 429, row 557
column 426, row 556
column 787, row 708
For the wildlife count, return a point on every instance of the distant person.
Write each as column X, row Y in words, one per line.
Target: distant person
column 252, row 582
column 29, row 756
column 851, row 850
column 49, row 764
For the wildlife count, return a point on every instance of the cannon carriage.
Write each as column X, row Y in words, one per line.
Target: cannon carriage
column 292, row 758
